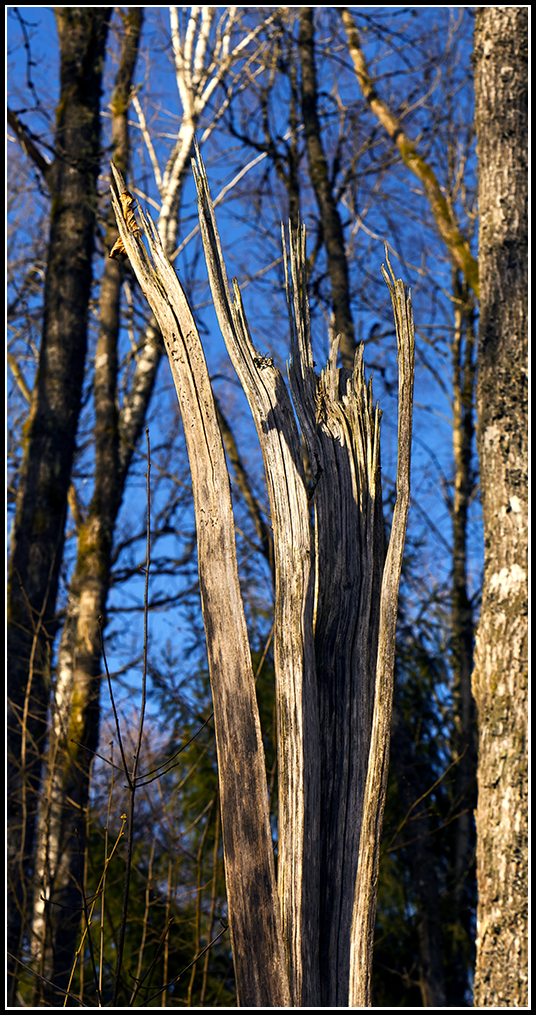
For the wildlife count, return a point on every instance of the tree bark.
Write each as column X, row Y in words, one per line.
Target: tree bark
column 353, row 632
column 500, row 672
column 324, row 725
column 341, row 427
column 262, row 528
column 38, row 531
column 297, row 714
column 464, row 734
column 364, row 912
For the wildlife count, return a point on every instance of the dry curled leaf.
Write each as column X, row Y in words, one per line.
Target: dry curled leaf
column 127, row 203
column 118, row 248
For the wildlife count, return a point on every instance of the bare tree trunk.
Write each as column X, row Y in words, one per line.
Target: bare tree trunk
column 342, row 432
column 500, row 678
column 297, row 713
column 364, row 913
column 38, row 532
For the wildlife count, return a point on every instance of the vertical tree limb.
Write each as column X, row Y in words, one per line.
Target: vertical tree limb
column 250, row 877
column 298, row 763
column 376, row 785
column 342, row 434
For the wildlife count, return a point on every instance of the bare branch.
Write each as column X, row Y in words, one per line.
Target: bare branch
column 447, row 226
column 29, row 147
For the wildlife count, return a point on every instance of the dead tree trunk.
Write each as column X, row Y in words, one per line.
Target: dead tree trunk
column 308, row 942
column 250, row 875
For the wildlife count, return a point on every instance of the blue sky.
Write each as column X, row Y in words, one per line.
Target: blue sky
column 387, row 35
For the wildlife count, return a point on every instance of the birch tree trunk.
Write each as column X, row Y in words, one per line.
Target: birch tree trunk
column 335, row 618
column 500, row 677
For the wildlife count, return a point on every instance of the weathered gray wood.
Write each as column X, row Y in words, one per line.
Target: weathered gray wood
column 260, row 965
column 364, row 912
column 335, row 623
column 342, row 431
column 297, row 713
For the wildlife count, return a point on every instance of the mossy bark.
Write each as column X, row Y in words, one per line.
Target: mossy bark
column 500, row 676
column 75, row 710
column 50, row 433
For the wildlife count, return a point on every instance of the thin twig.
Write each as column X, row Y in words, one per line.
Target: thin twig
column 150, row 968
column 110, row 796
column 116, row 717
column 139, row 978
column 212, row 899
column 169, row 760
column 97, row 893
column 199, row 895
column 87, row 921
column 132, row 777
column 28, row 969
column 166, row 986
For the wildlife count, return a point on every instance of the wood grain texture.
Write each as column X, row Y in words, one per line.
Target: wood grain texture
column 342, row 431
column 297, row 712
column 378, row 762
column 308, row 943
column 249, row 868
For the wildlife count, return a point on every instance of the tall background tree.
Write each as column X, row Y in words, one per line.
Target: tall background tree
column 75, row 731
column 393, row 109
column 500, row 678
column 50, row 433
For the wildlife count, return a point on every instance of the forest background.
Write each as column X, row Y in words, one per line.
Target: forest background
column 278, row 142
